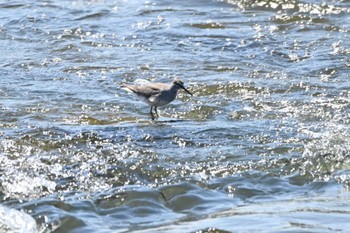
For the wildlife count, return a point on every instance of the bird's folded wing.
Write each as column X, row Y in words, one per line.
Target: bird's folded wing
column 144, row 91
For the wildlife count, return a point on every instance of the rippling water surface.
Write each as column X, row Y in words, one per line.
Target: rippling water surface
column 262, row 146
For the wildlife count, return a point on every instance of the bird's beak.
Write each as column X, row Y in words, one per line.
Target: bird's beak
column 186, row 90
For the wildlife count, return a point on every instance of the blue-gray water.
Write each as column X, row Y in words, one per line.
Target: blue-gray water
column 262, row 146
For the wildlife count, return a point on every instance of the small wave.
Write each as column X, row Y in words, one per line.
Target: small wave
column 93, row 15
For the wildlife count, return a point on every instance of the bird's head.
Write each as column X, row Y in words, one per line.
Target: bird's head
column 179, row 84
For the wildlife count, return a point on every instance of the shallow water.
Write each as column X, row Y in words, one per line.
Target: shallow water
column 262, row 146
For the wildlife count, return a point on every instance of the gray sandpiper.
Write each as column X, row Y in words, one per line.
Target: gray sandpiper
column 156, row 94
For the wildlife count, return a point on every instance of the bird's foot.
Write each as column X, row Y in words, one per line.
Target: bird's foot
column 154, row 115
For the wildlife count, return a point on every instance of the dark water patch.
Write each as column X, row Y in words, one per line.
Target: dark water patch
column 94, row 15
column 12, row 5
column 154, row 11
column 209, row 25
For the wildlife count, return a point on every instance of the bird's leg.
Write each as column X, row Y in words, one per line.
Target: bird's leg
column 151, row 112
column 155, row 110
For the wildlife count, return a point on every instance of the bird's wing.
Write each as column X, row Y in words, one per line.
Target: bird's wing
column 145, row 90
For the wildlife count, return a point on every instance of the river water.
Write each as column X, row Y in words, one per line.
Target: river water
column 262, row 146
